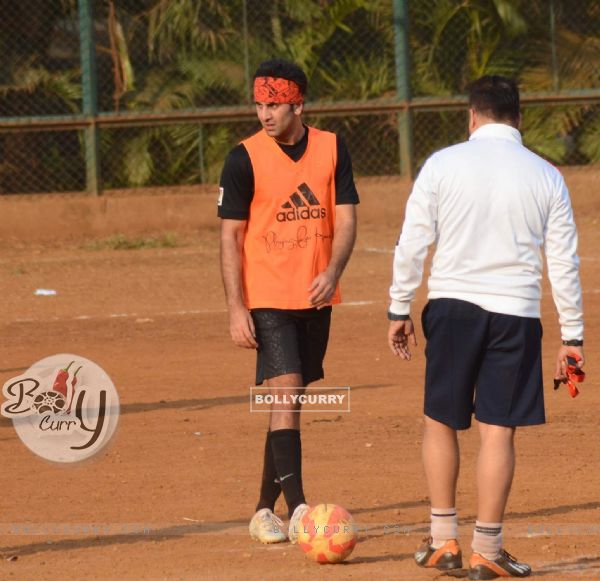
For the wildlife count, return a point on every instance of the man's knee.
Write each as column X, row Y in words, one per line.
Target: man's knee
column 289, row 381
column 435, row 427
column 491, row 432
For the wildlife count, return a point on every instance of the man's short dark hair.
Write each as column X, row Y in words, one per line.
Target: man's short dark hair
column 495, row 97
column 282, row 69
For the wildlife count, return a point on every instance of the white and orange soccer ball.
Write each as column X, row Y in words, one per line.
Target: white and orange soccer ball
column 327, row 533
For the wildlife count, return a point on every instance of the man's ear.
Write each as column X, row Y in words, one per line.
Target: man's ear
column 298, row 108
column 472, row 120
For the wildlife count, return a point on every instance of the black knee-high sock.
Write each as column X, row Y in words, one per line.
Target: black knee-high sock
column 287, row 453
column 269, row 487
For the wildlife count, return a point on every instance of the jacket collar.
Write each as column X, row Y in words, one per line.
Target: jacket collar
column 496, row 131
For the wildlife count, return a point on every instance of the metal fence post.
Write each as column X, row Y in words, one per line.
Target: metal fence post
column 555, row 77
column 90, row 96
column 201, row 154
column 402, row 59
column 246, row 52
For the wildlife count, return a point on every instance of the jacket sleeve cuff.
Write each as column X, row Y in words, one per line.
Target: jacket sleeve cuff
column 572, row 332
column 399, row 308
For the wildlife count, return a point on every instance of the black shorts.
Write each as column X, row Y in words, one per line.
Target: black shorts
column 291, row 341
column 481, row 362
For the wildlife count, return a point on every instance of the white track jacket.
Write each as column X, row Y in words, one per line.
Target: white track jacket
column 490, row 205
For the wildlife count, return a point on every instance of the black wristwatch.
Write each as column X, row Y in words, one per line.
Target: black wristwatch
column 573, row 343
column 395, row 317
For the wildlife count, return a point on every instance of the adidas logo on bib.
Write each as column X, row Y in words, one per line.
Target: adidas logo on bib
column 301, row 207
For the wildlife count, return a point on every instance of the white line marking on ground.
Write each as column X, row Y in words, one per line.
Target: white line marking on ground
column 379, row 250
column 147, row 317
column 123, row 316
column 587, row 563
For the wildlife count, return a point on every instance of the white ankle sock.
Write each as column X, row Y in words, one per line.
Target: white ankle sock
column 444, row 526
column 487, row 539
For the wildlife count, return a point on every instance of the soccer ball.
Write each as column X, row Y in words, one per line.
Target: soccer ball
column 327, row 533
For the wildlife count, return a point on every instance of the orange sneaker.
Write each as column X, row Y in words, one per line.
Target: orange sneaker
column 448, row 556
column 504, row 566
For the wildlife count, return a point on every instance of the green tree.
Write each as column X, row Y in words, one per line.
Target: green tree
column 566, row 58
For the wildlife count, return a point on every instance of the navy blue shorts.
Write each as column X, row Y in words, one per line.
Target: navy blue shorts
column 480, row 362
column 291, row 341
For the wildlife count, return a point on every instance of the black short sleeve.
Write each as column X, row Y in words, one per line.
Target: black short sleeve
column 345, row 189
column 236, row 185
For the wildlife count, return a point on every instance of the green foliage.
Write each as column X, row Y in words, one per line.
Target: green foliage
column 121, row 242
column 185, row 54
column 201, row 65
column 183, row 27
column 590, row 140
column 455, row 42
column 30, row 78
column 360, row 79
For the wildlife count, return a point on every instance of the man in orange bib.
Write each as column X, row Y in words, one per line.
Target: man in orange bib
column 287, row 203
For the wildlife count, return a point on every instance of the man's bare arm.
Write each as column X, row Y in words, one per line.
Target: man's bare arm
column 323, row 286
column 241, row 325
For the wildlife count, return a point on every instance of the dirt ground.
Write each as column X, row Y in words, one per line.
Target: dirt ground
column 177, row 485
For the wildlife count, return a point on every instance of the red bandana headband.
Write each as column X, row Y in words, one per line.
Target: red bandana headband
column 276, row 90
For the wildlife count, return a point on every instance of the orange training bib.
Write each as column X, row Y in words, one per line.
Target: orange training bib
column 290, row 227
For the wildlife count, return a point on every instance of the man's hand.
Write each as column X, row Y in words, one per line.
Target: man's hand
column 561, row 360
column 322, row 288
column 399, row 334
column 241, row 327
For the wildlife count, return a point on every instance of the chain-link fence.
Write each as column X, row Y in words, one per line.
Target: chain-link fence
column 101, row 94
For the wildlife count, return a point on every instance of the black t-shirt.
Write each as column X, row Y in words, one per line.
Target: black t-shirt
column 237, row 178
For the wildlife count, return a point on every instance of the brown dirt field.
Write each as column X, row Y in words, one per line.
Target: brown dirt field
column 155, row 320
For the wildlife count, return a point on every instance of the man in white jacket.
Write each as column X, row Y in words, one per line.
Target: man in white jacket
column 489, row 205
